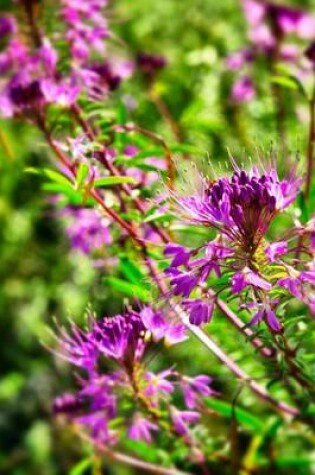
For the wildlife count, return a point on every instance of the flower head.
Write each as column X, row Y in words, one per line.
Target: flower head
column 116, row 387
column 243, row 206
column 240, row 260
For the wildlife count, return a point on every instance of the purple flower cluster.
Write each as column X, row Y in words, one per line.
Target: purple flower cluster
column 38, row 83
column 272, row 27
column 240, row 209
column 87, row 26
column 117, row 387
column 41, row 81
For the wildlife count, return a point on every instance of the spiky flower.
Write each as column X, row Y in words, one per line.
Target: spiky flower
column 116, row 382
column 240, row 209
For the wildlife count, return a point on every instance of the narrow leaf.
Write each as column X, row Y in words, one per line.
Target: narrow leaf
column 127, row 288
column 113, row 180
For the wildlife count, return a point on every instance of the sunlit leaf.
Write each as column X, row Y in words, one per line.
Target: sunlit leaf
column 128, row 289
column 244, row 417
column 113, row 180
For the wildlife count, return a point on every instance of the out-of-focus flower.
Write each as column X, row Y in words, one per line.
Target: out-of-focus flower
column 182, row 419
column 243, row 90
column 87, row 27
column 150, row 64
column 87, row 230
column 310, row 53
column 196, row 388
column 7, row 25
column 239, row 59
column 141, row 429
column 158, row 383
column 275, row 32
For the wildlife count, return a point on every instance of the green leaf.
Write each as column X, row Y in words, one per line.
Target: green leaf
column 74, row 197
column 127, row 288
column 185, row 148
column 158, row 217
column 10, row 385
column 244, row 417
column 82, row 173
column 137, row 163
column 284, row 81
column 113, row 180
column 142, row 450
column 131, row 271
column 80, row 467
column 153, row 152
column 290, row 82
column 51, row 174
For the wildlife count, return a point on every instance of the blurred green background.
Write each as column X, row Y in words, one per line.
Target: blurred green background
column 42, row 279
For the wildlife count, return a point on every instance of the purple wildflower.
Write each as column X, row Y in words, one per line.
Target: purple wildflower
column 88, row 231
column 158, row 383
column 182, row 419
column 246, row 277
column 242, row 206
column 87, row 26
column 180, row 254
column 199, row 311
column 194, row 388
column 161, row 328
column 269, row 317
column 243, row 90
column 141, row 429
column 281, row 19
column 240, row 209
column 120, row 338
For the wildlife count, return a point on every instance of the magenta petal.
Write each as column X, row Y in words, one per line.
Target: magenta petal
column 257, row 318
column 272, row 321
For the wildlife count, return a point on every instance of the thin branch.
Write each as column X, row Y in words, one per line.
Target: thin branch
column 232, row 366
